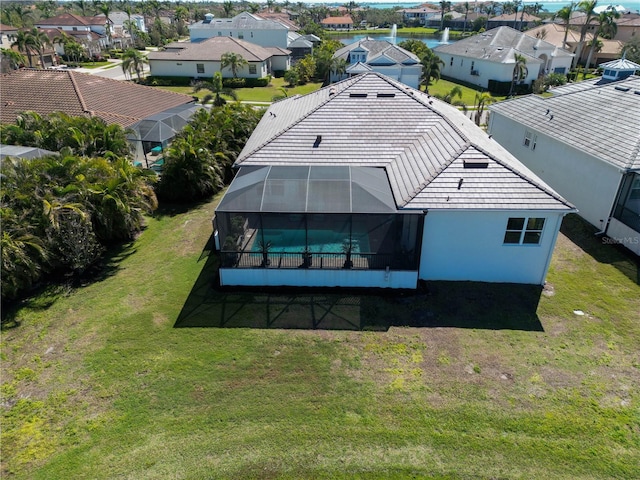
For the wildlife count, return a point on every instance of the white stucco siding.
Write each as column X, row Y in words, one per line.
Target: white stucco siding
column 587, row 182
column 461, row 69
column 469, row 245
column 275, row 277
column 280, row 62
column 172, row 68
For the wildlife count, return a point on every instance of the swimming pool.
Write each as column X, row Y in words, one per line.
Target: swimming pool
column 320, row 241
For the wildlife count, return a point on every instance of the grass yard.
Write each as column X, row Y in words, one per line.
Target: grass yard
column 442, row 87
column 461, row 381
column 256, row 94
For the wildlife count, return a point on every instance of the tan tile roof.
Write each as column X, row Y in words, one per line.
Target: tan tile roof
column 71, row 19
column 212, row 49
column 81, row 94
column 7, row 28
column 336, row 20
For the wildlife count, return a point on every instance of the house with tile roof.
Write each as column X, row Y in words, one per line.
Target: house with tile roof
column 7, row 35
column 554, row 34
column 338, row 23
column 370, row 183
column 244, row 26
column 519, row 21
column 203, row 59
column 80, row 94
column 489, row 57
column 80, row 27
column 584, row 141
column 382, row 56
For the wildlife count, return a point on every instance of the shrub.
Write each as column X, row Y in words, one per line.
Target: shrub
column 160, row 81
column 278, row 73
column 234, row 82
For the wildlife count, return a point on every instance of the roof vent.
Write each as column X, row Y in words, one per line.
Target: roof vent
column 386, row 95
column 316, row 144
column 476, row 163
column 622, row 89
column 358, row 95
column 332, row 91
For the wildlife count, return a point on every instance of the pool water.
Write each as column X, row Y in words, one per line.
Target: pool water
column 320, row 241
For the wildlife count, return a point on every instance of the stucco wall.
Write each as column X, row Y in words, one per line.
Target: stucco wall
column 588, row 183
column 468, row 245
column 317, row 278
column 461, row 70
column 178, row 68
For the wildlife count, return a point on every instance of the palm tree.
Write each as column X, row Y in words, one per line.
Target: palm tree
column 234, row 61
column 227, row 6
column 338, row 67
column 565, row 14
column 481, row 101
column 105, row 9
column 607, row 27
column 588, row 7
column 83, row 6
column 24, row 42
column 430, row 69
column 217, row 90
column 134, row 61
column 453, row 97
column 39, row 40
column 467, row 7
column 445, row 6
column 516, row 6
column 520, row 71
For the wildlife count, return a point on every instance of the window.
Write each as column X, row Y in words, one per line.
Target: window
column 219, row 34
column 251, row 34
column 200, row 67
column 524, row 231
column 240, row 35
column 473, row 64
column 451, row 62
column 252, row 69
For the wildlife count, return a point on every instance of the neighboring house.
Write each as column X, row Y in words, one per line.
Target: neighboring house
column 628, row 27
column 337, row 23
column 418, row 15
column 518, row 21
column 299, row 48
column 70, row 23
column 244, row 26
column 369, row 55
column 369, row 183
column 554, row 33
column 281, row 17
column 584, row 141
column 203, row 59
column 7, row 35
column 490, row 56
column 81, row 94
column 119, row 23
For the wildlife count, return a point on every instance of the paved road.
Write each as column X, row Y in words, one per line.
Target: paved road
column 114, row 72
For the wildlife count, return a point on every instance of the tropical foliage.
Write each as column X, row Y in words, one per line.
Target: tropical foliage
column 82, row 135
column 60, row 212
column 133, row 61
column 217, row 89
column 198, row 162
column 430, row 68
column 234, row 61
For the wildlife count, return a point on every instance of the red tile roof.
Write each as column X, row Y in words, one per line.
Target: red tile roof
column 7, row 28
column 81, row 94
column 71, row 19
column 337, row 20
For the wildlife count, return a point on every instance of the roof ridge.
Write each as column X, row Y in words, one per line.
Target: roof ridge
column 76, row 87
column 300, row 119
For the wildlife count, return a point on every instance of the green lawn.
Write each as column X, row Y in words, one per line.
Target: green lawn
column 95, row 64
column 256, row 94
column 462, row 381
column 442, row 87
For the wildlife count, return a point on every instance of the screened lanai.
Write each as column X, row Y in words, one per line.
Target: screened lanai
column 315, row 217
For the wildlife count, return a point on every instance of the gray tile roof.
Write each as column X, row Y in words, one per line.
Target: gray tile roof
column 378, row 49
column 603, row 120
column 243, row 20
column 212, row 49
column 499, row 45
column 373, row 121
column 23, row 152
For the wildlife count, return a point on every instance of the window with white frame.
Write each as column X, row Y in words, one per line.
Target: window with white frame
column 524, row 231
column 200, row 67
column 530, row 139
column 252, row 69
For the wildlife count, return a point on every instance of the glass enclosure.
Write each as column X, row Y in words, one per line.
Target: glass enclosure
column 316, row 217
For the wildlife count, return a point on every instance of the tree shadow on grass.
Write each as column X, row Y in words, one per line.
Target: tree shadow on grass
column 434, row 304
column 601, row 248
column 44, row 295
